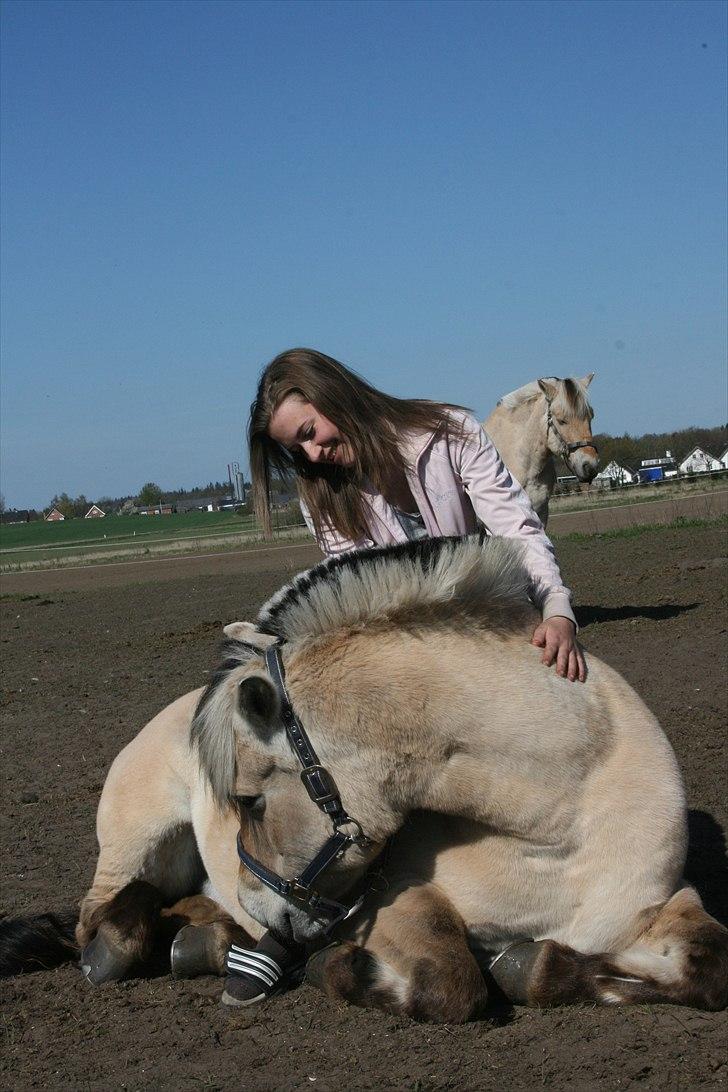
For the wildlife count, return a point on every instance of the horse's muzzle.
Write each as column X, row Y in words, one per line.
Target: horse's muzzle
column 585, row 463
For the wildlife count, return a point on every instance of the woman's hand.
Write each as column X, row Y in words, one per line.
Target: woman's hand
column 557, row 637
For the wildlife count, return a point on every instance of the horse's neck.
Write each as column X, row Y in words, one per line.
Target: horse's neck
column 520, row 436
column 427, row 757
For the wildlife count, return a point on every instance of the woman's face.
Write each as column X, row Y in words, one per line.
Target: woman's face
column 299, row 426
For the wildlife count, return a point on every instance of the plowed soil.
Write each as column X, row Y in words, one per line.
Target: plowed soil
column 86, row 666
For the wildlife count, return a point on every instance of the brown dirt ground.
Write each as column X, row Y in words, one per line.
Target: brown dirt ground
column 85, row 667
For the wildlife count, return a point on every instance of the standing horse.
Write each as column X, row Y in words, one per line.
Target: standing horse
column 545, row 420
column 535, row 823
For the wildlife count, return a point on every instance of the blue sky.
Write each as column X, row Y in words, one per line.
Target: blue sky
column 453, row 198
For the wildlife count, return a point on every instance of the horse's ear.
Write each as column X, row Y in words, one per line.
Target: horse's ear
column 587, row 380
column 260, row 706
column 249, row 635
column 549, row 388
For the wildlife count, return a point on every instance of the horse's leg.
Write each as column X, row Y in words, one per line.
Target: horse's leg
column 147, row 850
column 416, row 961
column 680, row 955
column 122, row 929
column 135, row 876
column 202, row 933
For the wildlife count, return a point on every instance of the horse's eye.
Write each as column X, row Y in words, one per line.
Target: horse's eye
column 251, row 803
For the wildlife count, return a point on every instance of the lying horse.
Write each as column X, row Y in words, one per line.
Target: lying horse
column 534, row 425
column 536, row 827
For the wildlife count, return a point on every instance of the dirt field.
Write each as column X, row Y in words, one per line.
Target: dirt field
column 86, row 663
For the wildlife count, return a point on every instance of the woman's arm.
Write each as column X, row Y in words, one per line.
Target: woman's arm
column 503, row 506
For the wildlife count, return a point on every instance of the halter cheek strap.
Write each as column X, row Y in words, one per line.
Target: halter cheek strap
column 323, row 791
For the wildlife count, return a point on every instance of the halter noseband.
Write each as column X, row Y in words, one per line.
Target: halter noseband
column 323, row 791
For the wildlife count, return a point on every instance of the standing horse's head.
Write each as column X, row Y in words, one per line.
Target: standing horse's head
column 250, row 765
column 569, row 416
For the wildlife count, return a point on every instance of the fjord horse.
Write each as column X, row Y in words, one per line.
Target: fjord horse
column 538, row 423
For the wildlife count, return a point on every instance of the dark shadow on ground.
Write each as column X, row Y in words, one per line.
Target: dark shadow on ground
column 707, row 863
column 587, row 614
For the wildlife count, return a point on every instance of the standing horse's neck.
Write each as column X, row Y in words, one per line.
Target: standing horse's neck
column 522, row 439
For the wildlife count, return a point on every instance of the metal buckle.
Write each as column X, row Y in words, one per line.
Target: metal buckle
column 330, row 792
column 359, row 839
column 300, row 892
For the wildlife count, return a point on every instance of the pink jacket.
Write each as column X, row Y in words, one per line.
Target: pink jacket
column 457, row 481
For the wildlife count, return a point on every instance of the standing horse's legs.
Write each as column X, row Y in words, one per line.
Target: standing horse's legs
column 680, row 955
column 416, row 961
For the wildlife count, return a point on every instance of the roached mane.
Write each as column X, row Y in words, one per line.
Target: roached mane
column 477, row 577
column 455, row 582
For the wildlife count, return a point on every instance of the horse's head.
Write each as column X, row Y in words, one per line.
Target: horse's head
column 569, row 417
column 251, row 764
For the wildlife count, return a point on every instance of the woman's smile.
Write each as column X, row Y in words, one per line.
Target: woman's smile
column 299, row 426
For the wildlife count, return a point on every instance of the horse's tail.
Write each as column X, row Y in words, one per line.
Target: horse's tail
column 37, row 943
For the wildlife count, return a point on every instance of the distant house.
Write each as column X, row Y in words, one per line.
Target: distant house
column 724, row 459
column 203, row 504
column 54, row 515
column 154, row 510
column 698, row 462
column 615, row 473
column 94, row 512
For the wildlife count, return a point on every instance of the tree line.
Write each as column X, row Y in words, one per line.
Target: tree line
column 629, row 451
column 626, row 450
column 149, row 494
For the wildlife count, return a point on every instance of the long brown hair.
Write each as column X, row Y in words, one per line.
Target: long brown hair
column 371, row 421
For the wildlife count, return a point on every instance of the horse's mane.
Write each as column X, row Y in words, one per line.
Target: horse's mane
column 570, row 390
column 453, row 582
column 426, row 581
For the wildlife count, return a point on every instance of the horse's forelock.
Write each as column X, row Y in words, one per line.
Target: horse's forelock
column 212, row 733
column 574, row 399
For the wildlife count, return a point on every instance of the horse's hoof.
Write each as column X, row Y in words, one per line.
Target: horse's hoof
column 316, row 965
column 101, row 963
column 193, row 952
column 512, row 969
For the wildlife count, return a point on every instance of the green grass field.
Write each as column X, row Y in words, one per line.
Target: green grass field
column 70, row 542
column 87, row 532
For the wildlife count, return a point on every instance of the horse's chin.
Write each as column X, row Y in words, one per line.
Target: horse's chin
column 586, row 471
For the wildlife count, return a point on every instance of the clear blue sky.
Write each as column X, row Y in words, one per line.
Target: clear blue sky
column 453, row 198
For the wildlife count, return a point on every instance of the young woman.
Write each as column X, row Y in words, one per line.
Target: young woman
column 373, row 470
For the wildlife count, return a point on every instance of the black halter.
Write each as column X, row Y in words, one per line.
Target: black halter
column 322, row 789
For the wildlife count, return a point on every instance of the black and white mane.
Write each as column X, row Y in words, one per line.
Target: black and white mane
column 471, row 575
